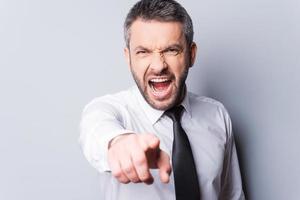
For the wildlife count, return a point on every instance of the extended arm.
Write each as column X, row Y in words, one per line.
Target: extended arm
column 108, row 146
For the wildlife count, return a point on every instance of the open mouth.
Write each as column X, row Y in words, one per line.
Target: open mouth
column 160, row 87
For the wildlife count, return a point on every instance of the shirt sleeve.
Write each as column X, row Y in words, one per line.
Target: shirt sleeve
column 231, row 188
column 101, row 121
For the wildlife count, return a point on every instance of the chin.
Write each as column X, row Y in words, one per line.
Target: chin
column 162, row 104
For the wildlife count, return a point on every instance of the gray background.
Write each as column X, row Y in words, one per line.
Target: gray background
column 57, row 55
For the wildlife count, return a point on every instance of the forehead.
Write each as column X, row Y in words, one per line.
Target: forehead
column 155, row 34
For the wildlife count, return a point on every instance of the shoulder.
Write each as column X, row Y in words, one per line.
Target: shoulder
column 111, row 102
column 210, row 110
column 206, row 103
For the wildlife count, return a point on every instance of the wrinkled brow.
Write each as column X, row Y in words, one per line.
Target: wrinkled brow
column 177, row 46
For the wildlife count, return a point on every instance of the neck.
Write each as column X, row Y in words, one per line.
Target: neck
column 182, row 95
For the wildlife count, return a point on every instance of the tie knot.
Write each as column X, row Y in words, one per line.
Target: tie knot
column 175, row 113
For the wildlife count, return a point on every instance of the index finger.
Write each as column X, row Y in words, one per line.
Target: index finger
column 140, row 162
column 164, row 166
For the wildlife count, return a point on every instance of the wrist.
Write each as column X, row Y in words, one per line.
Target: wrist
column 117, row 138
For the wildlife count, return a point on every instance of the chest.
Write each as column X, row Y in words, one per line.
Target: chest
column 207, row 140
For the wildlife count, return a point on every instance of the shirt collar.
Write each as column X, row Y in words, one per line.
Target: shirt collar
column 186, row 104
column 153, row 114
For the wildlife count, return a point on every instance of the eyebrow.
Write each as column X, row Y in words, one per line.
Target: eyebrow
column 179, row 46
column 141, row 48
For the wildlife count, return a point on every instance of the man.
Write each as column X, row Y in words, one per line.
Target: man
column 157, row 140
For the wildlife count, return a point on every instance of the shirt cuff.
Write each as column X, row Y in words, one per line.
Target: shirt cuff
column 101, row 154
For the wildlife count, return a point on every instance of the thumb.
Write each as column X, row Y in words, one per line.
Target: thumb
column 153, row 142
column 164, row 166
column 148, row 142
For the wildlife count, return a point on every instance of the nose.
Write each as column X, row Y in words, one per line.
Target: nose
column 158, row 63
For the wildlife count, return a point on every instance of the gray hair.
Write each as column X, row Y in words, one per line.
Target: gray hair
column 160, row 10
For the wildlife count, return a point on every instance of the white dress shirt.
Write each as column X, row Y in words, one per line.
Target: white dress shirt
column 206, row 123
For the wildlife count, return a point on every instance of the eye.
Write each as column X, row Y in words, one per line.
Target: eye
column 141, row 52
column 172, row 51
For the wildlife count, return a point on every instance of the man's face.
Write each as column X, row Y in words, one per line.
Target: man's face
column 159, row 59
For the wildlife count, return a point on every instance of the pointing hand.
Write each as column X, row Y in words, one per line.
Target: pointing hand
column 130, row 156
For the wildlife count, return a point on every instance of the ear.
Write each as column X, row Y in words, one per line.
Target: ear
column 193, row 50
column 127, row 55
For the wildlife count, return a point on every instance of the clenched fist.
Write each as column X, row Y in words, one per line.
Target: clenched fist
column 130, row 156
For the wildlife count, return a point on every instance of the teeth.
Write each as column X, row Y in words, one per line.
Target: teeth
column 159, row 80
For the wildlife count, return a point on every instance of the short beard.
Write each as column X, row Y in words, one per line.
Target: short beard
column 179, row 93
